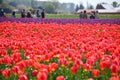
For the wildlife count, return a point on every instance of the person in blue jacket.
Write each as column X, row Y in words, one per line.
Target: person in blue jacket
column 1, row 13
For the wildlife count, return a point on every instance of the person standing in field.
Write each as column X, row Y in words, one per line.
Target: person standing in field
column 14, row 14
column 1, row 13
column 81, row 15
column 33, row 14
column 84, row 15
column 29, row 15
column 4, row 15
column 38, row 14
column 43, row 13
column 92, row 16
column 96, row 15
column 23, row 14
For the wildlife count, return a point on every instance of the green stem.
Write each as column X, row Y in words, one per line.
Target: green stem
column 73, row 77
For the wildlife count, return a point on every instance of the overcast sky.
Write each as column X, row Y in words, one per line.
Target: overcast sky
column 93, row 2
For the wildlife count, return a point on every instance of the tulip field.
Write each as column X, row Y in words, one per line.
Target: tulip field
column 53, row 51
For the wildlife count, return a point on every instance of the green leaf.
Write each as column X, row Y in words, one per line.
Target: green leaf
column 9, row 52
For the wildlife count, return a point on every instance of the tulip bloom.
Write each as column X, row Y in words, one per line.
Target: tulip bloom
column 3, row 52
column 90, row 62
column 53, row 67
column 31, row 62
column 16, row 57
column 22, row 65
column 23, row 77
column 60, row 78
column 16, row 70
column 34, row 72
column 78, row 62
column 37, row 58
column 74, row 69
column 114, row 78
column 6, row 73
column 104, row 64
column 86, row 67
column 95, row 73
column 47, row 57
column 7, row 60
column 114, row 69
column 42, row 76
column 63, row 62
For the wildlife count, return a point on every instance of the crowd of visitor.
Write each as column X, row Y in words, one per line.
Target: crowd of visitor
column 25, row 14
column 93, row 15
column 41, row 14
column 32, row 14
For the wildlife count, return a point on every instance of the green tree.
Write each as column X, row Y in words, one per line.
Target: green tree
column 90, row 6
column 4, row 5
column 49, row 7
column 27, row 3
column 56, row 5
column 81, row 6
column 77, row 8
column 115, row 4
column 72, row 8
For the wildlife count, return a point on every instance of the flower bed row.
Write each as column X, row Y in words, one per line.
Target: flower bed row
column 62, row 21
column 38, row 51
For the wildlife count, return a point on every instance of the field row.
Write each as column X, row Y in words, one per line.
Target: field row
column 101, row 16
column 39, row 51
column 62, row 21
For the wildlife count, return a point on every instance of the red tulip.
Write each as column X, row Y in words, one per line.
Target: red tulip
column 114, row 78
column 78, row 62
column 104, row 64
column 37, row 58
column 53, row 67
column 114, row 69
column 22, row 64
column 31, row 62
column 7, row 60
column 95, row 73
column 45, row 71
column 63, row 62
column 6, row 73
column 2, row 52
column 16, row 70
column 16, row 57
column 74, row 69
column 86, row 67
column 90, row 61
column 47, row 57
column 23, row 77
column 60, row 78
column 42, row 76
column 34, row 72
column 40, row 67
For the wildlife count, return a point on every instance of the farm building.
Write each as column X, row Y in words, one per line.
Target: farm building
column 103, row 8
